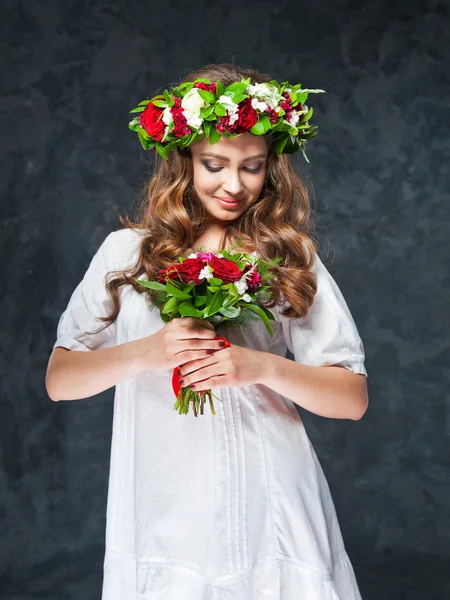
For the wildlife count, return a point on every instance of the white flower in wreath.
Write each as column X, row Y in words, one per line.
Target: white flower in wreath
column 231, row 108
column 259, row 105
column 192, row 103
column 167, row 116
column 262, row 91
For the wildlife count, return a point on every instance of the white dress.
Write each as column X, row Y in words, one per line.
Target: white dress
column 227, row 507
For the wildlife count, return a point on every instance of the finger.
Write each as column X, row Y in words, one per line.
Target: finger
column 201, row 374
column 198, row 364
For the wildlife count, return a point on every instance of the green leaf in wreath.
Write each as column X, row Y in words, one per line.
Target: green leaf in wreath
column 214, row 136
column 220, row 109
column 209, row 97
column 160, row 149
column 258, row 128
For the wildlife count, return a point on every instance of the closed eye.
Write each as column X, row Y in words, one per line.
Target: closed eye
column 217, row 169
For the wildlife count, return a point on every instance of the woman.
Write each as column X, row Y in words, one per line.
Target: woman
column 234, row 505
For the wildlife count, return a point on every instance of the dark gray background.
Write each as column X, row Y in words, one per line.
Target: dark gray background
column 70, row 72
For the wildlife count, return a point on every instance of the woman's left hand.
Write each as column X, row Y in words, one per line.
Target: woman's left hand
column 233, row 366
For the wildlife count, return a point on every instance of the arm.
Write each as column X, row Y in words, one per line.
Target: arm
column 327, row 391
column 74, row 374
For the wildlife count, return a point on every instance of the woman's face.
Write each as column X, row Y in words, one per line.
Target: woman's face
column 233, row 169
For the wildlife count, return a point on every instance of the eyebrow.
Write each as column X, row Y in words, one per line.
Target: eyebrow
column 228, row 160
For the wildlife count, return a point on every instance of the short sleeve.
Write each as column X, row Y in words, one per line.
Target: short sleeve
column 89, row 300
column 327, row 335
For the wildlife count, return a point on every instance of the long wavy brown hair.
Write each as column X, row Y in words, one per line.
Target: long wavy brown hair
column 172, row 216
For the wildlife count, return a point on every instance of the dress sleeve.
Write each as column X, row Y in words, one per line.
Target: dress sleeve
column 327, row 335
column 89, row 300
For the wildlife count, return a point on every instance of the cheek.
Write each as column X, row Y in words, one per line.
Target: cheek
column 204, row 180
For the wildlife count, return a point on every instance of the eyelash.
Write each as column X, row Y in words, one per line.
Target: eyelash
column 217, row 169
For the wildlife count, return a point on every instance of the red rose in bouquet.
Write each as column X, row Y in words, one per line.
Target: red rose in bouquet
column 225, row 269
column 188, row 271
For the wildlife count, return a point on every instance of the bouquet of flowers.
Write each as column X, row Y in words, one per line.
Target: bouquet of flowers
column 225, row 287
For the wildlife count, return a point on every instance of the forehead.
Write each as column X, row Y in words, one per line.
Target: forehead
column 237, row 148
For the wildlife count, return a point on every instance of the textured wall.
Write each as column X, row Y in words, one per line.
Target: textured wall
column 379, row 166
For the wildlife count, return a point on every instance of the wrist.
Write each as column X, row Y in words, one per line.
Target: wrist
column 141, row 353
column 265, row 362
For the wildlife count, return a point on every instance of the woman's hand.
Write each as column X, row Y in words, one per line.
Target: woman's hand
column 233, row 366
column 180, row 340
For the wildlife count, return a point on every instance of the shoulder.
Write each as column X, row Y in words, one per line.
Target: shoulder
column 121, row 247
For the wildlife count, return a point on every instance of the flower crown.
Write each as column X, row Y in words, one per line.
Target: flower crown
column 188, row 112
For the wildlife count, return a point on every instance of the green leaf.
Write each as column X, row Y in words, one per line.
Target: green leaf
column 170, row 305
column 238, row 86
column 258, row 128
column 262, row 313
column 161, row 151
column 302, row 97
column 219, row 88
column 307, row 116
column 160, row 103
column 199, row 301
column 153, row 285
column 188, row 310
column 134, row 125
column 137, row 109
column 142, row 139
column 220, row 110
column 144, row 134
column 293, row 97
column 230, row 311
column 279, row 144
column 207, row 127
column 174, row 291
column 209, row 97
column 214, row 136
column 215, row 305
column 215, row 281
column 206, row 111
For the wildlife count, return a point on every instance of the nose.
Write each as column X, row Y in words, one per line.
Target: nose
column 232, row 183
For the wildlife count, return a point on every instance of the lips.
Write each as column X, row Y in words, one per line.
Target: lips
column 230, row 200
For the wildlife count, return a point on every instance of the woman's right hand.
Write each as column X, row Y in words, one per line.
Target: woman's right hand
column 181, row 340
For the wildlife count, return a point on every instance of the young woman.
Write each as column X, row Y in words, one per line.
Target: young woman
column 234, row 505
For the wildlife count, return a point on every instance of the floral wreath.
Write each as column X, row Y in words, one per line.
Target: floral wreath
column 188, row 112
